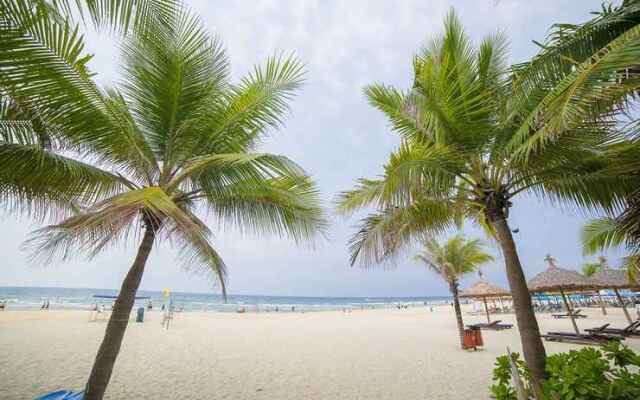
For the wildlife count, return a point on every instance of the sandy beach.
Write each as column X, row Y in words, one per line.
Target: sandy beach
column 371, row 354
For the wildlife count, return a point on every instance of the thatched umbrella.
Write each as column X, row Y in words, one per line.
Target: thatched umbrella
column 484, row 290
column 609, row 278
column 556, row 279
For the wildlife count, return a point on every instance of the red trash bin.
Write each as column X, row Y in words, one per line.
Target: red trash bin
column 469, row 339
column 478, row 337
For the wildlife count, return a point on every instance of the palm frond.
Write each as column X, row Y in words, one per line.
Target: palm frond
column 38, row 183
column 196, row 252
column 367, row 192
column 239, row 118
column 170, row 75
column 600, row 235
column 386, row 233
column 234, row 167
column 62, row 97
column 283, row 206
column 108, row 222
column 122, row 16
column 572, row 87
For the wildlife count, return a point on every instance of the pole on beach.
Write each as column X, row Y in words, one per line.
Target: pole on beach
column 624, row 307
column 602, row 305
column 486, row 309
column 570, row 312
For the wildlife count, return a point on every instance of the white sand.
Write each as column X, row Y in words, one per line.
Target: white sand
column 374, row 354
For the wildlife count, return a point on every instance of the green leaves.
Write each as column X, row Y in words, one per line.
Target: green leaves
column 585, row 374
column 385, row 233
column 39, row 183
column 284, row 206
column 600, row 235
column 582, row 77
column 169, row 75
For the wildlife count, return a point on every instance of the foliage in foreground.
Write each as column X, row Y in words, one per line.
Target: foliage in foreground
column 588, row 374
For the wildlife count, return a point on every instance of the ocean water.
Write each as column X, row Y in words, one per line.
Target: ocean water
column 22, row 298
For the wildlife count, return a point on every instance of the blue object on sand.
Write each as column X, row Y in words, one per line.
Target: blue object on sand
column 62, row 395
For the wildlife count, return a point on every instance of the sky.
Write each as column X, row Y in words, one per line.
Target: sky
column 336, row 136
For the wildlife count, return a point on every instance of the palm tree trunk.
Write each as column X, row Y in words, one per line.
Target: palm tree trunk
column 453, row 287
column 532, row 347
column 110, row 347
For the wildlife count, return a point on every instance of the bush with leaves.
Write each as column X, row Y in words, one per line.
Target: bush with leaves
column 612, row 373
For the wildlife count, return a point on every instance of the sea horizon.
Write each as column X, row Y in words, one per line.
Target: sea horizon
column 32, row 297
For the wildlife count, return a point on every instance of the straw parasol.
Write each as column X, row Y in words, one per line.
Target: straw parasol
column 484, row 290
column 610, row 278
column 556, row 279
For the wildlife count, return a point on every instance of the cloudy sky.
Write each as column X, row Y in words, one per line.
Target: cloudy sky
column 335, row 135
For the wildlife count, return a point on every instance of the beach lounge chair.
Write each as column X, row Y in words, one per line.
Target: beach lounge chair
column 493, row 325
column 583, row 338
column 62, row 395
column 633, row 329
column 576, row 314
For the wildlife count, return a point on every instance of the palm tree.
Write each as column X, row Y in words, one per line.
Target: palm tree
column 175, row 137
column 456, row 257
column 462, row 156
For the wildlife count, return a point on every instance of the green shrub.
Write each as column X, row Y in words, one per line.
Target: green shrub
column 612, row 373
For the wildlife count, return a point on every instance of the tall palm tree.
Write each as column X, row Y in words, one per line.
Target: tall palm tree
column 461, row 157
column 175, row 137
column 455, row 258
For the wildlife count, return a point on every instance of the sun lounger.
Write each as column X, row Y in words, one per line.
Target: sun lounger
column 583, row 338
column 576, row 314
column 493, row 325
column 633, row 329
column 62, row 395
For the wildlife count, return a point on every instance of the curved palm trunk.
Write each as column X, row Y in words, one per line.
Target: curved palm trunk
column 453, row 287
column 532, row 347
column 110, row 347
